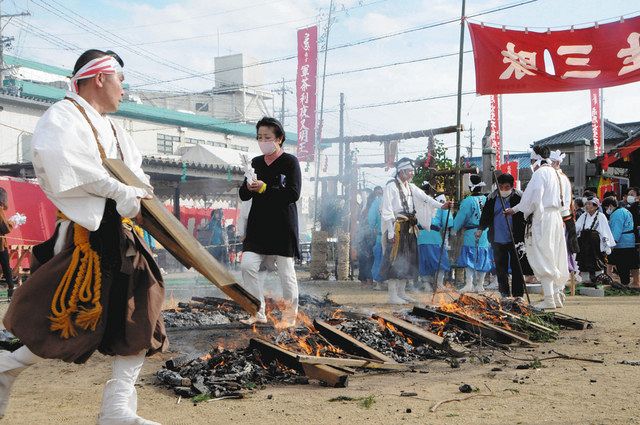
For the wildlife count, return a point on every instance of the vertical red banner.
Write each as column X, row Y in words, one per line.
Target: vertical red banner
column 495, row 127
column 596, row 122
column 306, row 91
column 510, row 168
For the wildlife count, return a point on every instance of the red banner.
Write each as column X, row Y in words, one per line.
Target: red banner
column 495, row 128
column 306, row 91
column 509, row 61
column 596, row 121
column 510, row 168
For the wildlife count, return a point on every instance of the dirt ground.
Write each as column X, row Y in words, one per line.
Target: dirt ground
column 561, row 392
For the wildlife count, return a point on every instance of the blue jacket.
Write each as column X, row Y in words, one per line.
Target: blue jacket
column 433, row 236
column 374, row 218
column 621, row 224
column 468, row 219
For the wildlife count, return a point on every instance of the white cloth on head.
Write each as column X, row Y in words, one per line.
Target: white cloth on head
column 441, row 198
column 417, row 200
column 250, row 266
column 473, row 186
column 103, row 64
column 585, row 221
column 557, row 156
column 404, row 165
column 67, row 163
column 545, row 246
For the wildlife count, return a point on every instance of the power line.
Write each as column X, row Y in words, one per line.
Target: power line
column 358, row 42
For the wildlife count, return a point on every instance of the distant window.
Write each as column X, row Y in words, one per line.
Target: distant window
column 165, row 143
column 219, row 144
column 569, row 159
column 194, row 141
column 239, row 148
column 202, row 107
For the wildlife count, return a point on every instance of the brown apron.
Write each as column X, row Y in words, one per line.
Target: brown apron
column 132, row 294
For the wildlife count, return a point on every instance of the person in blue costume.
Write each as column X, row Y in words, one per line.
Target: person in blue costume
column 430, row 245
column 475, row 255
column 624, row 255
column 375, row 222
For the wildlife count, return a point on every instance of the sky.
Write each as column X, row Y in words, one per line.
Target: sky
column 168, row 40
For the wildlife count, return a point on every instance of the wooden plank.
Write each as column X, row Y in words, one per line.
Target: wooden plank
column 338, row 362
column 324, row 373
column 571, row 322
column 517, row 338
column 529, row 323
column 172, row 234
column 348, row 343
column 472, row 328
column 420, row 334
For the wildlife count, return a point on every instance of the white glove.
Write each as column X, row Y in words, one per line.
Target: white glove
column 607, row 251
column 127, row 197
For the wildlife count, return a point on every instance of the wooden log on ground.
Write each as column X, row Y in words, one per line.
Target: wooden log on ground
column 331, row 376
column 348, row 343
column 420, row 334
column 536, row 326
column 514, row 336
column 571, row 322
column 472, row 328
column 339, row 362
column 168, row 230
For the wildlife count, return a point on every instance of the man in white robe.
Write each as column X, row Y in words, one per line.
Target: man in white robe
column 545, row 243
column 69, row 143
column 404, row 206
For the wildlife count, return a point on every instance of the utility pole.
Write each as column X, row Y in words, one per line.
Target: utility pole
column 282, row 91
column 319, row 132
column 470, row 137
column 6, row 40
column 342, row 166
column 458, row 122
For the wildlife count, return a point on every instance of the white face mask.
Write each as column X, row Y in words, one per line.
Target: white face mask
column 267, row 148
column 505, row 194
column 610, row 210
column 631, row 199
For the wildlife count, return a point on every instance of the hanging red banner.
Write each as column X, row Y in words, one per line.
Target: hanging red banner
column 510, row 168
column 509, row 61
column 495, row 128
column 596, row 122
column 306, row 91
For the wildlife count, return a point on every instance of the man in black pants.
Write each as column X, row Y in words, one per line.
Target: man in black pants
column 493, row 218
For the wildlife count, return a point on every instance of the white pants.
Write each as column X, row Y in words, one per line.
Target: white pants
column 547, row 250
column 250, row 267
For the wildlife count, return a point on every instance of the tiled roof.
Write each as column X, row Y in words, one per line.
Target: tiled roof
column 612, row 133
column 157, row 160
column 523, row 160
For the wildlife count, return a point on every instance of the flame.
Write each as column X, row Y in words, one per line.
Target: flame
column 384, row 324
column 486, row 309
column 206, row 357
column 338, row 314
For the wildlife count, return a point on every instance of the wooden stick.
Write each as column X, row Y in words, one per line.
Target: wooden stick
column 367, row 364
column 538, row 326
column 438, row 404
column 348, row 343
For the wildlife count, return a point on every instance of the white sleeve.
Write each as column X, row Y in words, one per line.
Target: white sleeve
column 420, row 195
column 126, row 197
column 387, row 214
column 532, row 196
column 607, row 240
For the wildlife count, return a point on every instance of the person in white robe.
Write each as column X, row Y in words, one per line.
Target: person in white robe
column 545, row 243
column 404, row 206
column 595, row 240
column 69, row 143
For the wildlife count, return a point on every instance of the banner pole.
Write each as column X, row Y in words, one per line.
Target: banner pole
column 459, row 113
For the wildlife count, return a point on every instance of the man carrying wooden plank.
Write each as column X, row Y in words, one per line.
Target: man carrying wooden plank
column 95, row 285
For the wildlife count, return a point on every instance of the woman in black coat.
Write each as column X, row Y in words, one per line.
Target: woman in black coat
column 272, row 226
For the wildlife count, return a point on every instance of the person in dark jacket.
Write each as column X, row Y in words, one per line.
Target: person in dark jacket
column 272, row 226
column 493, row 218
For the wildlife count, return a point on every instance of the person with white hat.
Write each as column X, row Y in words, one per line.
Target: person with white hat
column 475, row 255
column 594, row 238
column 404, row 206
column 545, row 243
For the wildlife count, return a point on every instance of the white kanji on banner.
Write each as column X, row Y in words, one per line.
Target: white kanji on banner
column 632, row 54
column 520, row 63
column 583, row 49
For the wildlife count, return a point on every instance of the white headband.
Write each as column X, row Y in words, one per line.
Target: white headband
column 404, row 166
column 557, row 156
column 441, row 198
column 104, row 64
column 537, row 158
column 473, row 186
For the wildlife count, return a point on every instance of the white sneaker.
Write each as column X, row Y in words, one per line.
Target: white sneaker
column 393, row 294
column 254, row 319
column 466, row 288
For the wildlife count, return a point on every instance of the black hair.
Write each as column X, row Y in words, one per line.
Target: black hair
column 543, row 151
column 610, row 193
column 4, row 198
column 609, row 202
column 578, row 202
column 632, row 188
column 588, row 193
column 506, row 178
column 273, row 124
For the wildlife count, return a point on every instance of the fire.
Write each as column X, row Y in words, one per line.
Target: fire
column 171, row 303
column 338, row 314
column 485, row 309
column 384, row 324
column 206, row 357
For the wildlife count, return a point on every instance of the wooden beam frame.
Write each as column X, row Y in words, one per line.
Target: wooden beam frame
column 348, row 343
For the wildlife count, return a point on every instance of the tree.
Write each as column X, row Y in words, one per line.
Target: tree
column 434, row 159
